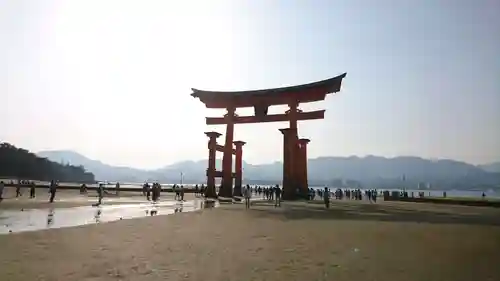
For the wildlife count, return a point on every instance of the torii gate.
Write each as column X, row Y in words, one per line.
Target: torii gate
column 294, row 149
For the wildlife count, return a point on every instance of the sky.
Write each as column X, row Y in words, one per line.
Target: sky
column 112, row 79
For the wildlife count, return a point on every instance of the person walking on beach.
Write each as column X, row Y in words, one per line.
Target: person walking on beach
column 202, row 190
column 52, row 190
column 177, row 192
column 148, row 192
column 18, row 189
column 277, row 191
column 326, row 197
column 100, row 193
column 2, row 186
column 181, row 191
column 83, row 189
column 32, row 189
column 117, row 188
column 248, row 195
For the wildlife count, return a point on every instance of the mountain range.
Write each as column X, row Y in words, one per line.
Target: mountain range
column 370, row 171
column 492, row 167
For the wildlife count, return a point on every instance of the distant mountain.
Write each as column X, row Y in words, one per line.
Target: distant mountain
column 492, row 167
column 370, row 171
column 18, row 163
column 100, row 170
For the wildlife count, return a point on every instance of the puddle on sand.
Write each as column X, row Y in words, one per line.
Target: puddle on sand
column 38, row 219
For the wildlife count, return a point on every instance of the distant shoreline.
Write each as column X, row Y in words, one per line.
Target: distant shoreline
column 189, row 187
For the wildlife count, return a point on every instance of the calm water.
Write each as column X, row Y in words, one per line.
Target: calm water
column 12, row 221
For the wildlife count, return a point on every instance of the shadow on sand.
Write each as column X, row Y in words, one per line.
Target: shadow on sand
column 375, row 212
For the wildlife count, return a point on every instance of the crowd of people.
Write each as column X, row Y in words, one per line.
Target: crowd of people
column 32, row 189
column 275, row 194
column 152, row 192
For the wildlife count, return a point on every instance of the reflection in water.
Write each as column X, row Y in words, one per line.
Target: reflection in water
column 207, row 204
column 179, row 208
column 50, row 217
column 97, row 216
column 36, row 219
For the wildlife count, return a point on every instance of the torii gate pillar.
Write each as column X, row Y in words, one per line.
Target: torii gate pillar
column 226, row 189
column 289, row 151
column 302, row 155
column 212, row 149
column 239, row 168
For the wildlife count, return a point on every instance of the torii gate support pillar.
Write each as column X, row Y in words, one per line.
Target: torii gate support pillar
column 212, row 150
column 302, row 171
column 239, row 168
column 289, row 152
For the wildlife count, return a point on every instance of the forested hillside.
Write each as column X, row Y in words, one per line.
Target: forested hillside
column 18, row 163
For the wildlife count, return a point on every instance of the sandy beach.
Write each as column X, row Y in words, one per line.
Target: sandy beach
column 299, row 241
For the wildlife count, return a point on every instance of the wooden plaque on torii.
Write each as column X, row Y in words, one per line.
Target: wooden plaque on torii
column 295, row 182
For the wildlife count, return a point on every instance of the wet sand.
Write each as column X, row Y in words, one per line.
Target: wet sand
column 72, row 198
column 15, row 221
column 300, row 241
column 70, row 209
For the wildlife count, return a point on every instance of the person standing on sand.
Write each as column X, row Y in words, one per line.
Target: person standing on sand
column 248, row 195
column 182, row 193
column 117, row 188
column 52, row 190
column 156, row 191
column 32, row 189
column 326, row 197
column 153, row 192
column 2, row 186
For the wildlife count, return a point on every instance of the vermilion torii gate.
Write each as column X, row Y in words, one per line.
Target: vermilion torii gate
column 294, row 149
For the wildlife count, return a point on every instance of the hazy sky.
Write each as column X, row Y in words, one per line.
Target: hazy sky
column 112, row 79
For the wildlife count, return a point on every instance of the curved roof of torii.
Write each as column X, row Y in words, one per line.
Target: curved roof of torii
column 315, row 91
